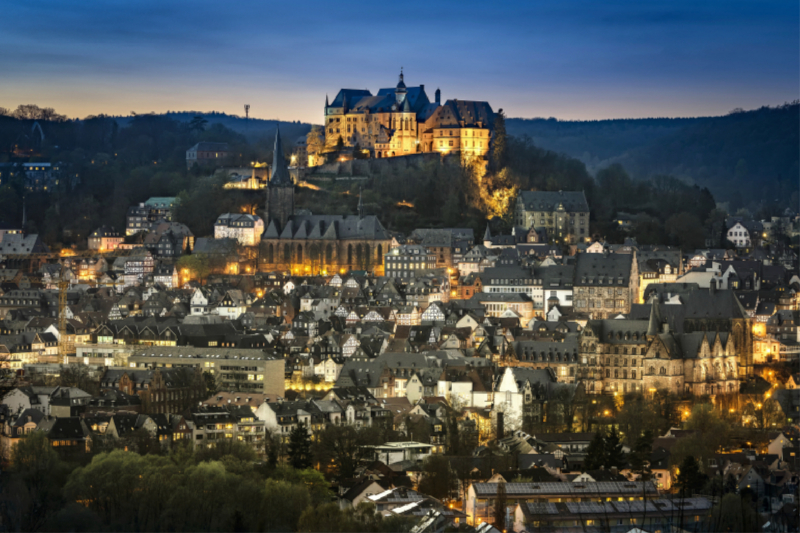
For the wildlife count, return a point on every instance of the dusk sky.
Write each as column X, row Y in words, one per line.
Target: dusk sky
column 579, row 59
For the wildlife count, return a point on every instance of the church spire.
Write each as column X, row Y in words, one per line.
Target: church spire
column 326, row 102
column 654, row 326
column 487, row 236
column 280, row 172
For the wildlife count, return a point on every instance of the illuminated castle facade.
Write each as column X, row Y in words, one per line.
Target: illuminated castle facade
column 403, row 121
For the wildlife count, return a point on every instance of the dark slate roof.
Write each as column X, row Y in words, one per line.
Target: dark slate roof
column 215, row 246
column 573, row 201
column 330, row 227
column 472, row 112
column 602, row 269
column 105, row 231
column 351, row 95
column 209, row 147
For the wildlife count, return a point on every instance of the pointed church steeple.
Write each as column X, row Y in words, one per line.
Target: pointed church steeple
column 280, row 172
column 280, row 189
column 487, row 236
column 654, row 326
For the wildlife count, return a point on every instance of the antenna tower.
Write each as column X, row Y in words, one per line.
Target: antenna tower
column 246, row 112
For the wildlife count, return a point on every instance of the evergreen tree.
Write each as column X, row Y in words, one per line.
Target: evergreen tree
column 640, row 456
column 690, row 478
column 499, row 142
column 595, row 452
column 300, row 447
column 613, row 448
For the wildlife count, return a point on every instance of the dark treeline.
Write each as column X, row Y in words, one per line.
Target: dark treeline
column 746, row 157
column 149, row 488
column 120, row 166
column 116, row 168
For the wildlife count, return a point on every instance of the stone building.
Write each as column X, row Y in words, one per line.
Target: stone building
column 206, row 154
column 402, row 121
column 314, row 244
column 246, row 229
column 162, row 390
column 105, row 239
column 605, row 284
column 666, row 349
column 563, row 214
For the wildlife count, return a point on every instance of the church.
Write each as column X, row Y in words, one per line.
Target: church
column 403, row 121
column 307, row 244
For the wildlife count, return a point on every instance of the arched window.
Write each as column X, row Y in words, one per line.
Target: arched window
column 359, row 261
column 350, row 255
column 299, row 253
column 633, row 374
column 616, row 373
column 270, row 254
column 662, row 371
column 651, row 370
column 380, row 254
column 608, row 373
column 287, row 253
column 329, row 254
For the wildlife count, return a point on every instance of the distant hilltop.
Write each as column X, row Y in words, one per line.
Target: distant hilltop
column 741, row 157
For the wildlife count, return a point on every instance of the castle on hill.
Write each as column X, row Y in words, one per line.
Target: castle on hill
column 403, row 121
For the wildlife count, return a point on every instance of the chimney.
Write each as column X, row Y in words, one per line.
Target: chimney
column 500, row 426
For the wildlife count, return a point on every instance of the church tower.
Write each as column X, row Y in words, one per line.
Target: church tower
column 280, row 189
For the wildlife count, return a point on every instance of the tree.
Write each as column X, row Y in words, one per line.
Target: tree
column 438, row 480
column 685, row 229
column 637, row 416
column 300, row 447
column 198, row 123
column 196, row 267
column 500, row 504
column 339, row 143
column 734, row 513
column 315, row 143
column 499, row 142
column 613, row 450
column 690, row 478
column 31, row 493
column 595, row 452
column 640, row 456
column 211, row 384
column 339, row 449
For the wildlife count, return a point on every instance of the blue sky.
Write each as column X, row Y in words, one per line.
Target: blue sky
column 571, row 59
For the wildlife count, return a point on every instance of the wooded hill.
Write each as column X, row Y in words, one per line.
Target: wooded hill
column 745, row 157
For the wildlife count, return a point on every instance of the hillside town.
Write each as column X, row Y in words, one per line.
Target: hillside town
column 536, row 379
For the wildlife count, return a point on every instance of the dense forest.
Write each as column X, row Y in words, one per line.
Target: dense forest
column 119, row 166
column 746, row 158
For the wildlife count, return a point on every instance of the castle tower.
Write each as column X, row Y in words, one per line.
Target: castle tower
column 280, row 189
column 400, row 91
